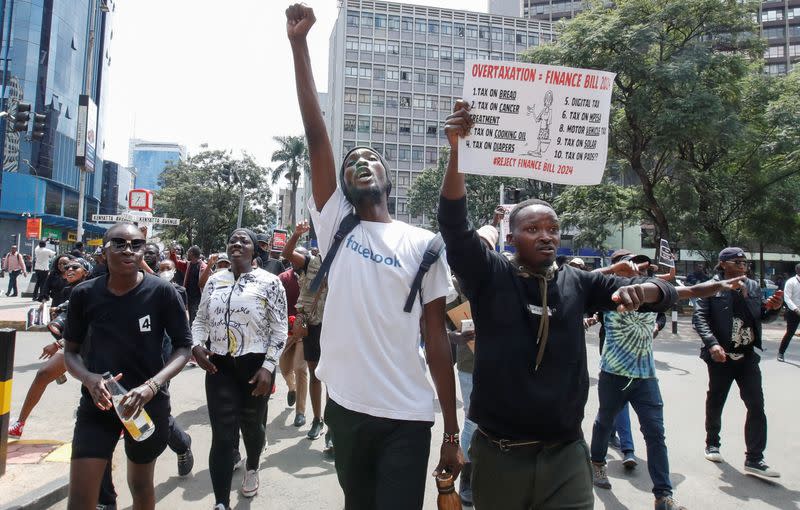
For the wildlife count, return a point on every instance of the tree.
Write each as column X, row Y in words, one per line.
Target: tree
column 673, row 84
column 293, row 155
column 483, row 193
column 198, row 192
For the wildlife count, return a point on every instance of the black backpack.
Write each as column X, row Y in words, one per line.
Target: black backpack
column 432, row 253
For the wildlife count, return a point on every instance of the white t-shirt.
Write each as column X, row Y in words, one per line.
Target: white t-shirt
column 43, row 256
column 370, row 357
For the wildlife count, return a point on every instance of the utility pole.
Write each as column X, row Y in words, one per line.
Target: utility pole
column 87, row 89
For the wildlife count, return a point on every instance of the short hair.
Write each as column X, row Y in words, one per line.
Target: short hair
column 42, row 244
column 152, row 245
column 797, row 268
column 512, row 219
column 79, row 245
column 115, row 226
column 194, row 250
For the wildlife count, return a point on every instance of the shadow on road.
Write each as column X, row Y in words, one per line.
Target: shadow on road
column 666, row 367
column 197, row 416
column 752, row 488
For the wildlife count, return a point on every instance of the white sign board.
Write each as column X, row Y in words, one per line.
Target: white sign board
column 86, row 135
column 534, row 121
column 114, row 218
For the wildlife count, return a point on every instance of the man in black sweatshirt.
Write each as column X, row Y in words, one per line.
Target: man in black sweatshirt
column 530, row 383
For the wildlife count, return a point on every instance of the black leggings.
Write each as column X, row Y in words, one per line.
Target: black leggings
column 231, row 406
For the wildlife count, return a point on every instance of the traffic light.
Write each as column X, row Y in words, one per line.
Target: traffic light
column 22, row 116
column 39, row 126
column 512, row 195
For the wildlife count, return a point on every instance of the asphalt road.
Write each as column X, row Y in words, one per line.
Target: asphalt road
column 294, row 474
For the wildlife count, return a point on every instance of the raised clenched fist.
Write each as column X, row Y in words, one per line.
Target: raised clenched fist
column 299, row 20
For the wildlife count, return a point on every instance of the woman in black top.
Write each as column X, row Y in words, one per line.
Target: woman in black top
column 55, row 283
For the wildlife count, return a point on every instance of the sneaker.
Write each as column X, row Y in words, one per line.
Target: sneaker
column 614, row 442
column 220, row 506
column 186, row 461
column 668, row 503
column 599, row 475
column 327, row 452
column 629, row 461
column 712, row 454
column 316, row 429
column 761, row 469
column 299, row 420
column 238, row 460
column 15, row 430
column 250, row 484
column 291, row 398
column 780, row 357
column 101, row 506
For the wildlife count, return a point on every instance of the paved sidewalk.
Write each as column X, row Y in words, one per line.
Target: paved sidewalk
column 14, row 310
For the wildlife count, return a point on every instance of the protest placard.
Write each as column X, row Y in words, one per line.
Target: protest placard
column 535, row 121
column 665, row 257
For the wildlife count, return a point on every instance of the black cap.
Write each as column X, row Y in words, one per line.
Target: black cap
column 617, row 255
column 262, row 238
column 730, row 253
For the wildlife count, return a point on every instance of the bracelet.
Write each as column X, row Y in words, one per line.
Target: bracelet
column 451, row 438
column 153, row 385
column 60, row 343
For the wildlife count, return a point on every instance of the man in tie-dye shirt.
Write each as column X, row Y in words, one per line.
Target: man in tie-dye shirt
column 628, row 375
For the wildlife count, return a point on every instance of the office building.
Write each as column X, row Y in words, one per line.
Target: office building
column 779, row 19
column 149, row 159
column 395, row 71
column 118, row 181
column 58, row 50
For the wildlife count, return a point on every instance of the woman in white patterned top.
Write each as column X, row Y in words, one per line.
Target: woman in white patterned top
column 243, row 314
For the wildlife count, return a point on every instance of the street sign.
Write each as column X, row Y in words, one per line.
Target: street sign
column 33, row 228
column 115, row 218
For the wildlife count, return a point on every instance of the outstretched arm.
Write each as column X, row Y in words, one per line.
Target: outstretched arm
column 299, row 20
column 297, row 259
column 457, row 125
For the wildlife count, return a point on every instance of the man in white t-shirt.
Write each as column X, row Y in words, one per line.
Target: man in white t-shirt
column 381, row 406
column 41, row 266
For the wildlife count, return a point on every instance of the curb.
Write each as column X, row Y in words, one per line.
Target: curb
column 43, row 497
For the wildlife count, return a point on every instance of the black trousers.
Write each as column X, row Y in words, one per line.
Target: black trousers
column 12, row 282
column 792, row 321
column 747, row 375
column 38, row 288
column 380, row 462
column 231, row 406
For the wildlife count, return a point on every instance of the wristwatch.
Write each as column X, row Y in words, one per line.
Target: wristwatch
column 453, row 439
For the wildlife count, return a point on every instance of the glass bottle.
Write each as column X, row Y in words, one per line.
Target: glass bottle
column 139, row 426
column 448, row 498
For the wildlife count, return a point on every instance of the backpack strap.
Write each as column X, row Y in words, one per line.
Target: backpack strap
column 432, row 253
column 348, row 223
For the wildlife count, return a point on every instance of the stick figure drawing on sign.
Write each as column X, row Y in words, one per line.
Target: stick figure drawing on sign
column 544, row 119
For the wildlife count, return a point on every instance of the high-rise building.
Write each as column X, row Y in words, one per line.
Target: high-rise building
column 149, row 159
column 395, row 71
column 58, row 50
column 779, row 19
column 505, row 7
column 118, row 181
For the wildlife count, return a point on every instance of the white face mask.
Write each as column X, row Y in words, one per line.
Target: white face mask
column 167, row 275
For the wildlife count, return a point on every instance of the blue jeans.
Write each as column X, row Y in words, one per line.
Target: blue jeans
column 622, row 424
column 645, row 397
column 465, row 380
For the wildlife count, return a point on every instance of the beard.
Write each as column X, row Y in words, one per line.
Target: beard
column 373, row 195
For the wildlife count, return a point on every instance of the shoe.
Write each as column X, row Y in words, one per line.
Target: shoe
column 101, row 506
column 316, row 429
column 712, row 454
column 614, row 442
column 220, row 506
column 186, row 461
column 780, row 357
column 327, row 452
column 629, row 461
column 238, row 460
column 250, row 484
column 761, row 469
column 15, row 430
column 667, row 503
column 291, row 398
column 299, row 420
column 599, row 476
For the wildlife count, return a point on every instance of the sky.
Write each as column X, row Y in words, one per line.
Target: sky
column 209, row 72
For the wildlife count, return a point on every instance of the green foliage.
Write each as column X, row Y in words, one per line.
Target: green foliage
column 674, row 87
column 593, row 211
column 293, row 155
column 483, row 193
column 206, row 201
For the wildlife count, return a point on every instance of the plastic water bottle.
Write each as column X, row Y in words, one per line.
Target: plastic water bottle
column 139, row 426
column 61, row 379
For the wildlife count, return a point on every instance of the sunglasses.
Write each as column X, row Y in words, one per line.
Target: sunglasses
column 73, row 267
column 118, row 244
column 738, row 262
